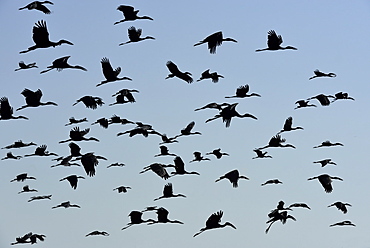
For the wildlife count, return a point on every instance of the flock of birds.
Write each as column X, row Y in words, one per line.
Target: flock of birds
column 226, row 112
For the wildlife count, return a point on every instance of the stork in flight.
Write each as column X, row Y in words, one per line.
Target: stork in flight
column 213, row 222
column 274, row 42
column 130, row 14
column 214, row 40
column 326, row 181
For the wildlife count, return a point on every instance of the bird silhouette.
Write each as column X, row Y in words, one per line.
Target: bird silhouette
column 274, row 42
column 324, row 162
column 198, row 157
column 61, row 64
column 89, row 162
column 75, row 134
column 214, row 222
column 130, row 14
column 242, row 92
column 110, row 74
column 213, row 105
column 342, row 96
column 41, row 38
column 341, row 206
column 72, row 179
column 23, row 66
column 167, row 140
column 303, row 104
column 162, row 217
column 124, row 97
column 323, row 99
column 180, row 167
column 233, row 176
column 118, row 120
column 19, row 144
column 288, row 126
column 22, row 177
column 65, row 161
column 322, row 74
column 90, row 101
column 103, row 122
column 23, row 239
column 217, row 152
column 72, row 121
column 168, row 192
column 134, row 36
column 213, row 41
column 34, row 237
column 136, row 218
column 327, row 143
column 299, row 205
column 9, row 155
column 139, row 130
column 41, row 197
column 175, row 72
column 6, row 111
column 276, row 216
column 33, row 99
column 37, row 5
column 326, row 181
column 164, row 152
column 116, row 165
column 159, row 169
column 66, row 204
column 26, row 189
column 228, row 112
column 343, row 223
column 276, row 141
column 41, row 151
column 272, row 181
column 122, row 189
column 95, row 233
column 261, row 154
column 214, row 76
column 187, row 130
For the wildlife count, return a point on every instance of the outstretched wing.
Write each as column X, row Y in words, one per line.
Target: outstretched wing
column 172, row 68
column 274, row 40
column 40, row 33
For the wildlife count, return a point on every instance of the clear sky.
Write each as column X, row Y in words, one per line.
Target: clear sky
column 331, row 36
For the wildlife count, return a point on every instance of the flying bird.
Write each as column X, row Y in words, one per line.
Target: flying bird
column 162, row 217
column 135, row 218
column 233, row 176
column 41, row 151
column 276, row 215
column 130, row 14
column 95, row 233
column 75, row 134
column 274, row 42
column 342, row 96
column 180, row 167
column 23, row 66
column 214, row 222
column 33, row 99
column 343, row 223
column 66, row 204
column 288, row 126
column 272, row 181
column 159, row 169
column 198, row 157
column 341, row 206
column 72, row 121
column 261, row 154
column 327, row 143
column 187, row 130
column 26, row 189
column 168, row 192
column 175, row 72
column 299, row 205
column 72, row 179
column 90, row 101
column 322, row 74
column 213, row 105
column 110, row 74
column 89, row 162
column 41, row 197
column 323, row 99
column 164, row 152
column 134, row 36
column 19, row 144
column 324, row 162
column 103, row 122
column 61, row 64
column 303, row 104
column 38, row 5
column 242, row 92
column 217, row 152
column 122, row 189
column 9, row 155
column 23, row 239
column 326, row 181
column 22, row 177
column 276, row 141
column 6, row 111
column 213, row 41
column 214, row 76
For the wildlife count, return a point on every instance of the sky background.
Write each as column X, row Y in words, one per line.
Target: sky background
column 330, row 36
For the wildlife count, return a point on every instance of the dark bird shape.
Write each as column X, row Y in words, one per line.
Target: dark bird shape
column 288, row 126
column 118, row 120
column 341, row 206
column 22, row 177
column 167, row 140
column 342, row 96
column 90, row 101
column 130, row 14
column 41, row 38
column 214, row 76
column 6, row 111
column 272, row 181
column 139, row 130
column 326, row 181
column 23, row 239
column 180, row 167
column 213, row 105
column 126, row 93
column 122, row 189
column 75, row 150
column 175, row 72
column 325, row 162
column 327, row 143
column 217, row 153
column 75, row 134
column 228, row 113
column 26, row 189
column 37, row 5
column 158, row 169
column 72, row 121
column 124, row 98
column 103, row 122
column 61, row 64
column 110, row 74
column 116, row 165
column 65, row 161
column 10, row 155
column 213, row 41
column 95, row 233
column 23, row 66
column 33, row 99
column 41, row 151
column 343, row 223
column 162, row 217
column 233, row 176
column 323, row 99
column 187, row 130
column 89, row 162
column 66, row 204
column 34, row 237
column 168, row 192
column 277, row 141
column 19, row 144
column 198, row 157
column 134, row 36
column 322, row 74
column 303, row 104
column 42, row 197
column 72, row 179
column 280, row 206
column 136, row 218
column 164, row 152
column 276, row 216
column 261, row 154
column 214, row 222
column 299, row 205
column 274, row 42
column 242, row 92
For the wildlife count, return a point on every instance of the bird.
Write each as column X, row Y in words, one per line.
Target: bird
column 37, row 5
column 276, row 141
column 61, row 64
column 168, row 192
column 217, row 152
column 42, row 197
column 134, row 36
column 261, row 154
column 213, row 41
column 158, row 169
column 341, row 206
column 242, row 92
column 326, row 181
column 118, row 120
column 122, row 189
column 89, row 162
column 288, row 126
column 276, row 216
column 327, row 143
column 126, row 93
column 214, row 222
column 6, row 111
column 280, row 206
column 187, row 130
column 72, row 121
column 75, row 150
column 135, row 218
column 342, row 96
column 41, row 38
column 167, row 140
column 66, row 204
column 22, row 177
column 162, row 217
column 34, row 237
column 124, row 98
column 9, row 155
column 303, row 104
column 23, row 239
column 322, row 74
column 103, row 122
column 41, row 151
column 75, row 134
column 130, row 14
column 90, row 101
column 116, row 165
column 233, row 176
column 94, row 233
column 23, row 66
column 324, row 162
column 164, row 152
column 213, row 105
column 198, row 157
column 299, row 205
column 274, row 42
column 26, row 188
column 343, row 223
column 19, row 144
column 110, row 74
column 175, row 72
column 33, row 99
column 139, row 130
column 180, row 167
column 65, row 161
column 214, row 76
column 272, row 181
column 323, row 99
column 72, row 179
column 228, row 113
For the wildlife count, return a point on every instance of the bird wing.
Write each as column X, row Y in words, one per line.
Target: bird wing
column 89, row 161
column 126, row 10
column 40, row 32
column 214, row 40
column 288, row 123
column 274, row 40
column 189, row 127
column 179, row 164
column 107, row 68
column 27, row 93
column 168, row 190
column 43, row 9
column 242, row 90
column 214, row 219
column 134, row 34
column 172, row 67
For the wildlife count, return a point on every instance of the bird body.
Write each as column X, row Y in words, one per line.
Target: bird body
column 326, row 181
column 110, row 74
column 37, row 5
column 214, row 222
column 27, row 189
column 327, row 143
column 274, row 42
column 6, row 111
column 276, row 141
column 288, row 126
column 343, row 223
column 213, row 41
column 213, row 105
column 122, row 189
column 323, row 99
column 95, row 233
column 23, row 66
column 325, row 162
column 214, row 76
column 180, row 167
column 162, row 217
column 158, row 169
column 66, row 204
column 322, row 74
column 303, row 104
column 22, row 177
column 218, row 153
column 134, row 36
column 90, row 101
column 175, row 72
column 164, row 152
column 61, row 64
column 130, row 14
column 75, row 134
column 341, row 206
column 33, row 99
column 41, row 151
column 261, row 154
column 272, row 181
column 135, row 217
column 242, row 92
column 342, row 96
column 72, row 179
column 9, row 155
column 168, row 192
column 19, row 144
column 187, row 130
column 233, row 176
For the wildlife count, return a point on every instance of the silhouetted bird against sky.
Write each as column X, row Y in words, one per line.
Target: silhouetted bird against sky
column 26, row 189
column 122, row 189
column 41, row 38
column 9, row 155
column 214, row 76
column 242, row 92
column 164, row 152
column 110, row 74
column 123, row 98
column 23, row 239
column 273, row 43
column 6, row 111
column 33, row 99
column 135, row 218
column 228, row 112
column 325, row 162
column 116, row 165
column 303, row 104
column 23, row 66
column 22, row 177
column 89, row 162
column 276, row 141
column 288, row 126
column 61, row 64
column 299, row 205
column 72, row 179
column 326, row 181
column 130, row 14
column 139, row 130
column 75, row 134
column 41, row 151
column 322, row 74
column 41, row 197
column 261, row 154
column 327, row 143
column 72, row 121
column 19, row 144
column 214, row 222
column 187, row 130
column 34, row 237
column 180, row 167
column 218, row 153
column 198, row 157
column 90, row 101
column 213, row 41
column 343, row 223
column 103, row 122
column 65, row 161
column 342, row 96
column 272, row 181
column 341, row 206
column 323, row 99
column 38, row 5
column 175, row 72
column 213, row 105
column 118, row 120
column 233, row 176
column 134, row 36
column 276, row 216
column 158, row 169
column 66, row 204
column 95, row 233
column 75, row 150
column 168, row 192
column 162, row 217
column 167, row 140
